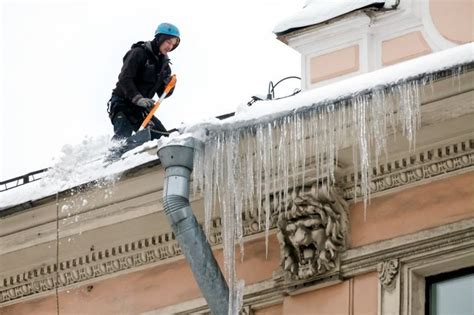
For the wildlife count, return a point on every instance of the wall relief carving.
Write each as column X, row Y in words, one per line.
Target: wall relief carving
column 312, row 233
column 387, row 272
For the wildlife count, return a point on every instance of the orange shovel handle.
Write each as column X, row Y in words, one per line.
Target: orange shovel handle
column 168, row 88
column 171, row 84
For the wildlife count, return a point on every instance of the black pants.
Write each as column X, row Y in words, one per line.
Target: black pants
column 124, row 125
column 127, row 117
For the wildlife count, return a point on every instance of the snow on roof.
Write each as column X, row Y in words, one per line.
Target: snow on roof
column 391, row 75
column 78, row 165
column 84, row 164
column 318, row 11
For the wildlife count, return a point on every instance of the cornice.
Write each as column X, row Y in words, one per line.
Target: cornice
column 102, row 264
column 414, row 169
column 425, row 244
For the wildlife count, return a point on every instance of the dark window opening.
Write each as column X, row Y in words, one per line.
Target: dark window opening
column 450, row 293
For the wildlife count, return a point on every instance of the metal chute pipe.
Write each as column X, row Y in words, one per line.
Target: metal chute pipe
column 177, row 159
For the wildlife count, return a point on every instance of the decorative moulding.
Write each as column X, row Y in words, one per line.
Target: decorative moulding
column 414, row 169
column 387, row 271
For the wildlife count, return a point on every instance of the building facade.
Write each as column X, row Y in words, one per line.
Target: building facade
column 108, row 248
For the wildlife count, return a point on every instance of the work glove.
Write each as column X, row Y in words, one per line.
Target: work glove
column 146, row 103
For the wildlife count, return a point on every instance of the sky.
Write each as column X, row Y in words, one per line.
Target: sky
column 61, row 59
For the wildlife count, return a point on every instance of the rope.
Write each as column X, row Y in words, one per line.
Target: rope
column 57, row 254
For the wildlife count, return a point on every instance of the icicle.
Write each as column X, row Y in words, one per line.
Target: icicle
column 238, row 183
column 378, row 122
column 303, row 151
column 267, row 158
column 286, row 161
column 273, row 168
column 332, row 143
column 259, row 138
column 456, row 77
column 238, row 298
column 209, row 184
column 293, row 142
column 281, row 151
column 360, row 107
column 317, row 147
column 250, row 171
column 198, row 172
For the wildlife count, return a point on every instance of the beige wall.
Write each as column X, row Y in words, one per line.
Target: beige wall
column 365, row 294
column 334, row 64
column 404, row 47
column 454, row 19
column 411, row 210
column 354, row 296
column 151, row 288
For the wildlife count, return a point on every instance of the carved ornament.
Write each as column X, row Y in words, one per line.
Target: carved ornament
column 312, row 233
column 387, row 272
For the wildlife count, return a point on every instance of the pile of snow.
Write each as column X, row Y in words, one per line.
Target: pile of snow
column 78, row 165
column 318, row 11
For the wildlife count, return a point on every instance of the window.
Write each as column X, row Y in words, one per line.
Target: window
column 450, row 293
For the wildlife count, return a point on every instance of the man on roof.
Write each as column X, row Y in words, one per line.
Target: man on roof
column 145, row 72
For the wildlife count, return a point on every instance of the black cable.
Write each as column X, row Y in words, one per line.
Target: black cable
column 296, row 91
column 271, row 91
column 289, row 77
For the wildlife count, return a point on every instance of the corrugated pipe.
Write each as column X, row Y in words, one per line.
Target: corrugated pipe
column 177, row 159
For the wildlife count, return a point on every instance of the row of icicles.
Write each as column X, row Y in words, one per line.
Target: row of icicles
column 246, row 168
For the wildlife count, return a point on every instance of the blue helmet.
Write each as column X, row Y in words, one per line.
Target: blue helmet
column 168, row 29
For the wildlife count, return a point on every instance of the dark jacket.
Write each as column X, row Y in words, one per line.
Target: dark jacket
column 144, row 73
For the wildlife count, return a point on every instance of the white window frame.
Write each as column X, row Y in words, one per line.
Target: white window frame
column 413, row 292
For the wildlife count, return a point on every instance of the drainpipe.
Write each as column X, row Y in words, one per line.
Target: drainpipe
column 177, row 159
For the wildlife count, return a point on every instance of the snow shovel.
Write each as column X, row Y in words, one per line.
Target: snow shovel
column 146, row 134
column 158, row 102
